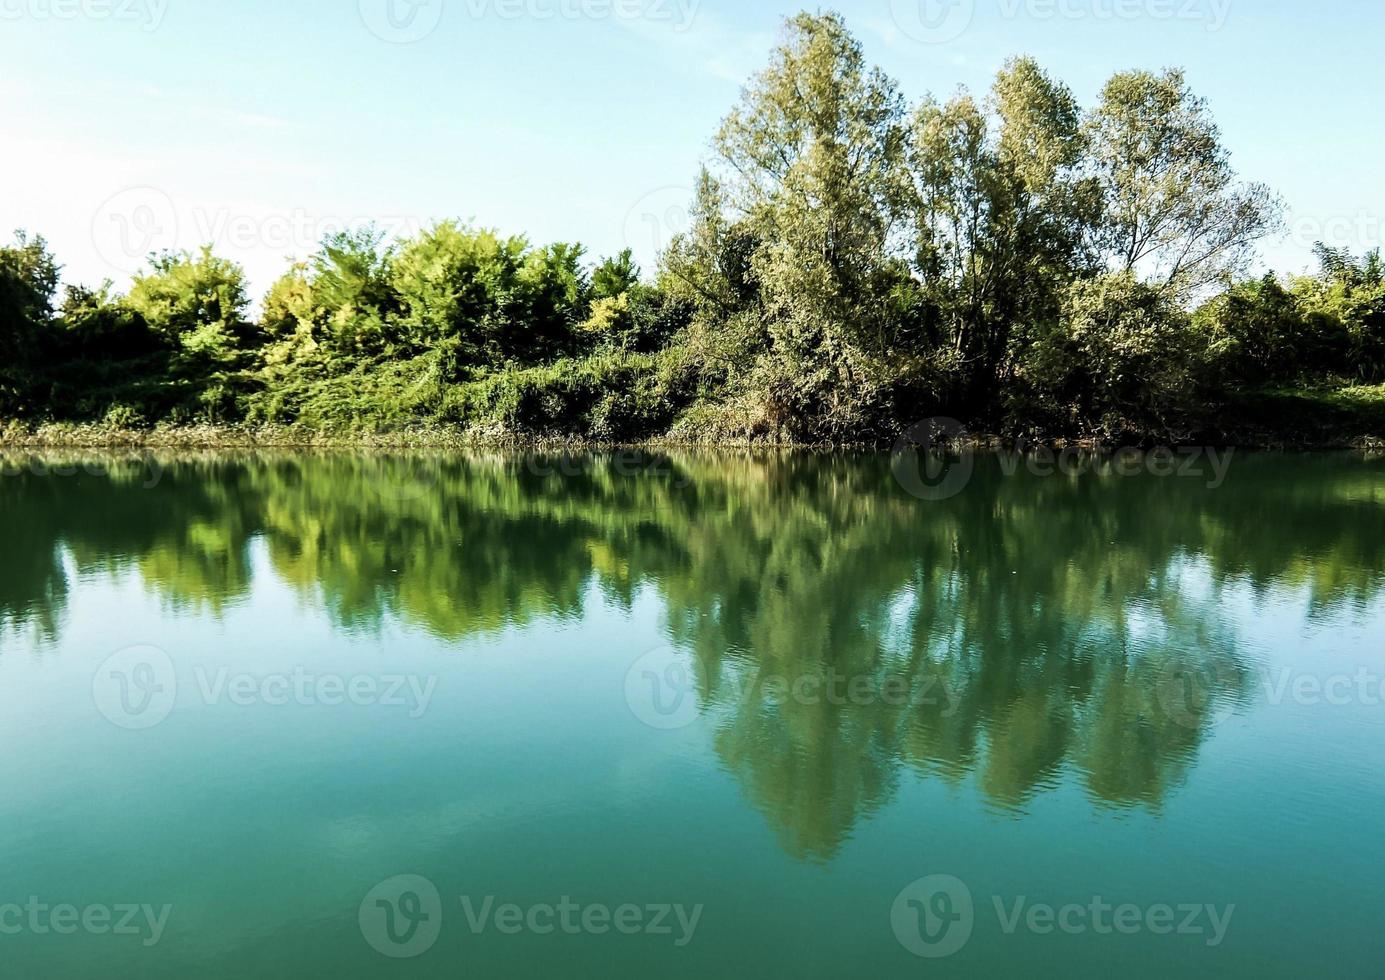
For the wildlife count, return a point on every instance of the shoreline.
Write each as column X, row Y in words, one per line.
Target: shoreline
column 71, row 436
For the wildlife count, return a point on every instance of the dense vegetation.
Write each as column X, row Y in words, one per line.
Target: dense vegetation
column 854, row 265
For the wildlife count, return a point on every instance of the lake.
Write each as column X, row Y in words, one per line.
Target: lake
column 689, row 715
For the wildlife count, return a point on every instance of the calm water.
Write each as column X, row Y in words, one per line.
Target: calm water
column 276, row 716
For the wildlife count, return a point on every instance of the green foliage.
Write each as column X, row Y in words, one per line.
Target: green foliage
column 614, row 277
column 197, row 303
column 487, row 299
column 1172, row 207
column 28, row 282
column 1120, row 357
column 105, row 355
column 1350, row 292
column 606, row 398
column 814, row 150
column 1257, row 332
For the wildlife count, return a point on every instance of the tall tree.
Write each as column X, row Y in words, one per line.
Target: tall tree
column 999, row 212
column 1174, row 211
column 812, row 159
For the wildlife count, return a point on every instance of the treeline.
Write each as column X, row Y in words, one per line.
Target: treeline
column 1016, row 261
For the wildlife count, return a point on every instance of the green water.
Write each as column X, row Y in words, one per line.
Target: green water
column 330, row 716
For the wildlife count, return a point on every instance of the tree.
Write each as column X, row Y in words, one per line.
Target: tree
column 487, row 299
column 197, row 304
column 999, row 212
column 615, row 276
column 1348, row 294
column 1173, row 209
column 197, row 300
column 711, row 266
column 28, row 281
column 811, row 156
column 1121, row 359
column 1258, row 332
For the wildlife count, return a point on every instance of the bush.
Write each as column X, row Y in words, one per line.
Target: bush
column 1121, row 358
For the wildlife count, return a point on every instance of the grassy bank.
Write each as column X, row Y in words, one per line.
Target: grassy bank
column 1270, row 419
column 1326, row 418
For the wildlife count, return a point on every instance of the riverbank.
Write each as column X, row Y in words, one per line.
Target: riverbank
column 1326, row 420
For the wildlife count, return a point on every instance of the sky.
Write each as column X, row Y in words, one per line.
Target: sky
column 128, row 126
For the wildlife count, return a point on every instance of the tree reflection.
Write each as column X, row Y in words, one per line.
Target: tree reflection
column 1025, row 632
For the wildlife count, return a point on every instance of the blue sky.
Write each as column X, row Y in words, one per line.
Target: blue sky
column 260, row 124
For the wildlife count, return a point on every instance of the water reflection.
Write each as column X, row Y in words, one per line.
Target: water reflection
column 1027, row 631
